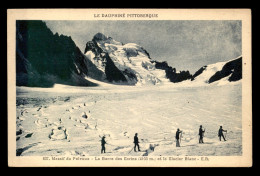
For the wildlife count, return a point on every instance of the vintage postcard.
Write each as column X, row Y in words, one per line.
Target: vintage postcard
column 129, row 87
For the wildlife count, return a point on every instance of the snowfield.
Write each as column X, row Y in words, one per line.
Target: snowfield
column 67, row 120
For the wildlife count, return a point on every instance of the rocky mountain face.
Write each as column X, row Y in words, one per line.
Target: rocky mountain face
column 230, row 70
column 171, row 73
column 44, row 58
column 233, row 69
column 102, row 60
column 129, row 63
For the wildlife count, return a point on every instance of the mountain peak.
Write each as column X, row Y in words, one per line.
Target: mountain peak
column 129, row 63
column 99, row 36
column 102, row 39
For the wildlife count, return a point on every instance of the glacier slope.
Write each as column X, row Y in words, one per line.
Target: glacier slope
column 71, row 122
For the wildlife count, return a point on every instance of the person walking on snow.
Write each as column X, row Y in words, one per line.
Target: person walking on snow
column 220, row 133
column 178, row 132
column 103, row 142
column 136, row 142
column 201, row 134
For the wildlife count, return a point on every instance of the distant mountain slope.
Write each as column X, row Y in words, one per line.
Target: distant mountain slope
column 43, row 59
column 129, row 63
column 232, row 70
column 171, row 73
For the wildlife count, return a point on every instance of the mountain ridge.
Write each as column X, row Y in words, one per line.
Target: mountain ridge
column 44, row 59
column 215, row 72
column 133, row 63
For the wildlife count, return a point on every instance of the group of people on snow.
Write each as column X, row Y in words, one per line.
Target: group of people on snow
column 177, row 137
column 201, row 135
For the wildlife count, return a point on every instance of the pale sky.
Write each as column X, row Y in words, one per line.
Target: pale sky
column 185, row 45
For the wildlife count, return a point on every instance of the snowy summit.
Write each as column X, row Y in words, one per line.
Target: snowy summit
column 131, row 63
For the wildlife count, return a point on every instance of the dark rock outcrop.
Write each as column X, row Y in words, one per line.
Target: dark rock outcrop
column 43, row 59
column 171, row 72
column 197, row 73
column 112, row 72
column 92, row 46
column 233, row 67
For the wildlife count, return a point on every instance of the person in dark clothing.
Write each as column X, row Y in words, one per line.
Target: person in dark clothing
column 103, row 142
column 220, row 133
column 201, row 134
column 178, row 132
column 136, row 142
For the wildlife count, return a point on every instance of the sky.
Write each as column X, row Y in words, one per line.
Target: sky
column 185, row 45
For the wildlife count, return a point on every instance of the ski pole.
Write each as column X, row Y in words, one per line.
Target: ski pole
column 180, row 138
column 131, row 150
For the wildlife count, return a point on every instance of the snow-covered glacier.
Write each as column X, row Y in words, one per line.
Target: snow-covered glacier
column 69, row 121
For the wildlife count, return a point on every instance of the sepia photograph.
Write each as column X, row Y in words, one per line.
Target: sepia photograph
column 129, row 87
